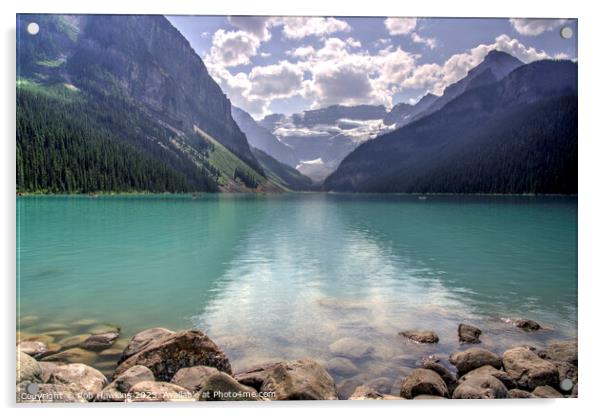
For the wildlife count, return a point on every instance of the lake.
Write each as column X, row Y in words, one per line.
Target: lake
column 270, row 277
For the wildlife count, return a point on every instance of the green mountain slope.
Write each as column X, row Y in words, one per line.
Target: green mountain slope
column 282, row 174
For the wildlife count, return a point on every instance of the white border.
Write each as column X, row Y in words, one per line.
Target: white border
column 590, row 152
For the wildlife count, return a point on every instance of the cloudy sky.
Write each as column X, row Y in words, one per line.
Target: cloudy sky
column 290, row 64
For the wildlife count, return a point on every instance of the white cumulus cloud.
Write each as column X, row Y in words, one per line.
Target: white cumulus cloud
column 400, row 25
column 535, row 27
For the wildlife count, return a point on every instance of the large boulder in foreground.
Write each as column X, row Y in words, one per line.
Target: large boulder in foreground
column 472, row 358
column 80, row 378
column 303, row 379
column 142, row 340
column 421, row 337
column 223, row 387
column 480, row 386
column 165, row 356
column 423, row 381
column 528, row 369
column 28, row 369
column 469, row 334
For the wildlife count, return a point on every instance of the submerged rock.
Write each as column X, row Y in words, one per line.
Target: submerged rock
column 193, row 378
column 527, row 325
column 28, row 369
column 99, row 342
column 223, row 387
column 80, row 378
column 73, row 356
column 165, row 356
column 528, row 369
column 423, row 381
column 421, row 337
column 341, row 366
column 73, row 341
column 547, row 392
column 303, row 379
column 350, row 348
column 480, row 386
column 368, row 393
column 469, row 334
column 142, row 339
column 472, row 358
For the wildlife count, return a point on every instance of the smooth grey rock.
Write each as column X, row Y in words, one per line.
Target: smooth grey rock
column 528, row 369
column 303, row 379
column 81, row 378
column 28, row 369
column 480, row 386
column 472, row 358
column 193, row 378
column 490, row 371
column 423, row 381
column 223, row 387
column 446, row 375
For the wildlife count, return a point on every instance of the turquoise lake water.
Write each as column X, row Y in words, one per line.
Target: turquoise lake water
column 284, row 276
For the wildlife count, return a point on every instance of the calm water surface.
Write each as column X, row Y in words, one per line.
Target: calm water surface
column 284, row 276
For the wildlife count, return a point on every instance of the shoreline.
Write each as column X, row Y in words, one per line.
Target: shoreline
column 158, row 364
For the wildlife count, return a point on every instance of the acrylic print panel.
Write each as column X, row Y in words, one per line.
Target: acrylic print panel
column 279, row 208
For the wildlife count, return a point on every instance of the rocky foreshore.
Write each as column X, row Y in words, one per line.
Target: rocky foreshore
column 158, row 364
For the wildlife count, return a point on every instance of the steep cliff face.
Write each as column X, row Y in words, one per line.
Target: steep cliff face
column 154, row 64
column 133, row 86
